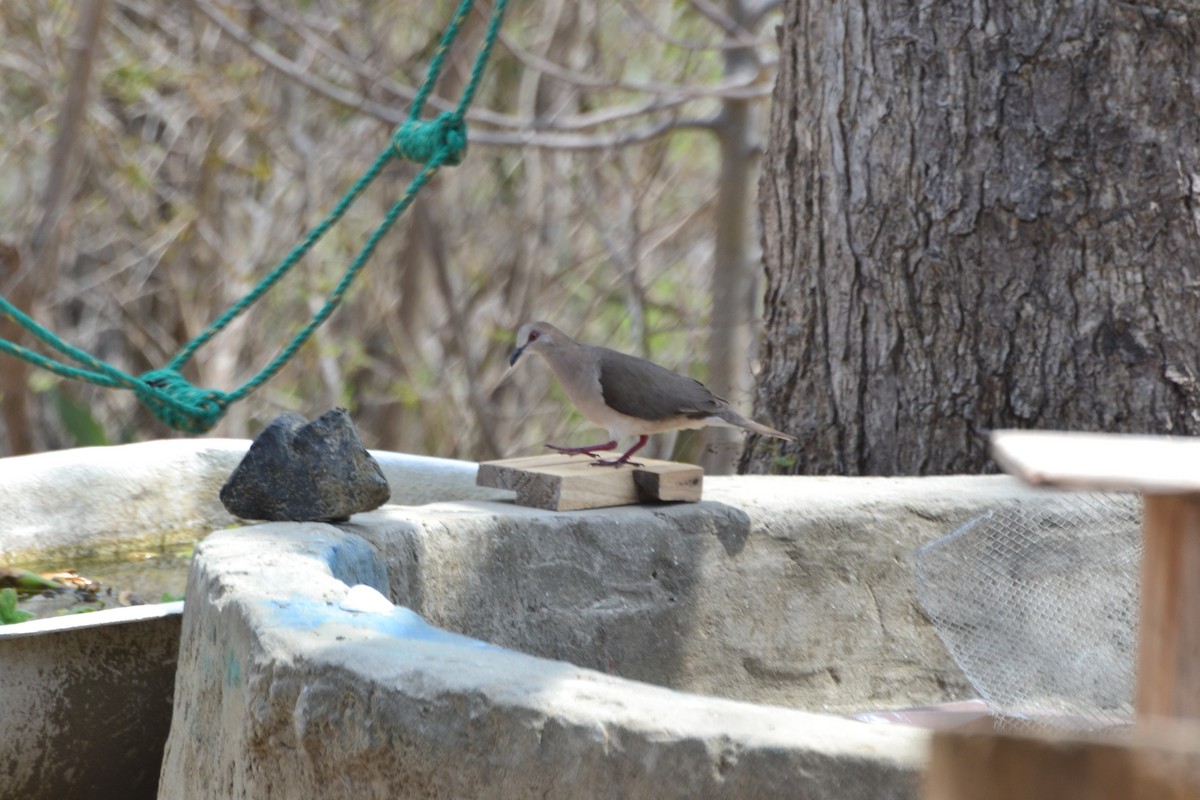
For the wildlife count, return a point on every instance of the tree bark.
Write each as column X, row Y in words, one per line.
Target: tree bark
column 978, row 215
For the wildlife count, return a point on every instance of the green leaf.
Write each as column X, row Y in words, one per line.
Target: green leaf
column 9, row 613
column 25, row 581
column 78, row 420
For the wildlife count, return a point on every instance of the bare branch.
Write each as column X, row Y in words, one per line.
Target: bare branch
column 723, row 21
column 728, row 89
column 664, row 36
column 527, row 132
column 544, row 137
column 578, row 122
column 69, row 121
column 290, row 69
column 563, row 141
column 757, row 13
column 741, row 88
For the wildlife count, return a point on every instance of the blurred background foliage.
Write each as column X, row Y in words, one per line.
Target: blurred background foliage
column 211, row 135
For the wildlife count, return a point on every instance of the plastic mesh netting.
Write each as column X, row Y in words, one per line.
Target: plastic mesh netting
column 1038, row 607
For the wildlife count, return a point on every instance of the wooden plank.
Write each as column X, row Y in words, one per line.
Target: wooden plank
column 1118, row 462
column 670, row 484
column 564, row 483
column 1168, row 668
column 1163, row 764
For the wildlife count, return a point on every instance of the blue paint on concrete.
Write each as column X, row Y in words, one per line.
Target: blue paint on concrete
column 348, row 557
column 304, row 614
column 233, row 669
column 351, row 560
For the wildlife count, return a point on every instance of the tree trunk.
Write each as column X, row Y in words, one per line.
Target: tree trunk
column 14, row 375
column 978, row 215
column 735, row 278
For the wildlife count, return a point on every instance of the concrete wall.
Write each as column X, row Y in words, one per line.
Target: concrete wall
column 794, row 591
column 84, row 706
column 284, row 692
column 85, row 700
column 773, row 599
column 655, row 651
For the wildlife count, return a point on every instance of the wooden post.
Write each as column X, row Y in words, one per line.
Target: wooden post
column 1163, row 764
column 1168, row 667
column 1166, row 469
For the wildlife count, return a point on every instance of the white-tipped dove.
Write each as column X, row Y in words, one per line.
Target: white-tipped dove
column 628, row 396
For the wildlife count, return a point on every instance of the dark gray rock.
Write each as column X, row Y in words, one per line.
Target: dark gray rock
column 306, row 471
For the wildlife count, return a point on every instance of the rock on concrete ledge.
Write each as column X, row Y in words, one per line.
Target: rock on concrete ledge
column 283, row 693
column 301, row 471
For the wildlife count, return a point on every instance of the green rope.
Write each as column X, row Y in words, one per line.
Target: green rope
column 434, row 143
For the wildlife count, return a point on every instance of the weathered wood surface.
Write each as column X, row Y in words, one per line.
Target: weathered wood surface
column 1119, row 462
column 1163, row 764
column 1168, row 666
column 564, row 483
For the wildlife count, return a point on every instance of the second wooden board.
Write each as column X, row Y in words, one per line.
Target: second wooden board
column 564, row 483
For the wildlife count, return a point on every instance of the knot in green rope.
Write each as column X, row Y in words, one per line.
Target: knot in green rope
column 178, row 403
column 420, row 141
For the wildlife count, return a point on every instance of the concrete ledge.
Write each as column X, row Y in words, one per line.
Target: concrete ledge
column 282, row 692
column 95, row 619
column 86, row 699
column 647, row 651
column 97, row 500
column 794, row 591
column 85, row 707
